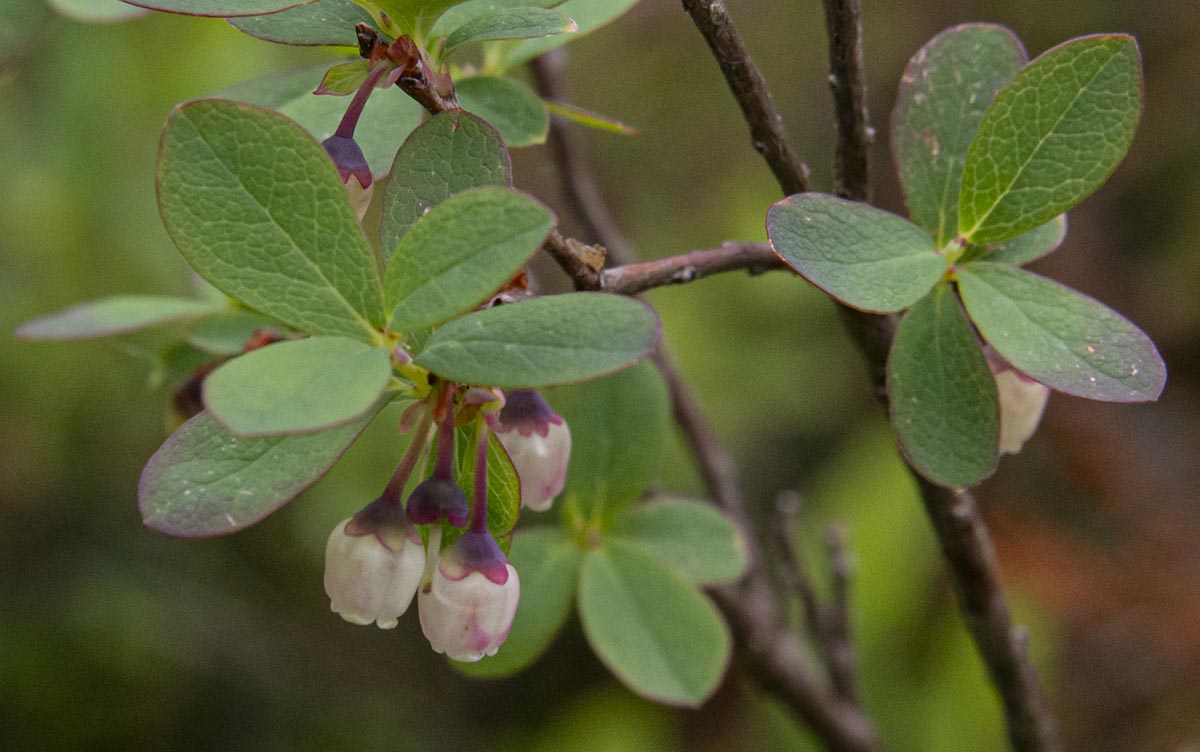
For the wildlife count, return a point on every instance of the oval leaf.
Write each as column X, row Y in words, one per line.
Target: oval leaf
column 344, row 78
column 218, row 8
column 691, row 537
column 116, row 315
column 257, row 208
column 297, row 387
column 543, row 341
column 1051, row 137
column 1060, row 337
column 204, row 481
column 865, row 257
column 548, row 563
column 511, row 23
column 1030, row 246
column 509, row 106
column 324, row 22
column 624, row 421
column 388, row 116
column 452, row 152
column 942, row 396
column 652, row 628
column 461, row 252
column 943, row 94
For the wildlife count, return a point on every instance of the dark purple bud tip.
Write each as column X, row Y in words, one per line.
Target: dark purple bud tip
column 474, row 552
column 527, row 413
column 434, row 499
column 385, row 519
column 349, row 159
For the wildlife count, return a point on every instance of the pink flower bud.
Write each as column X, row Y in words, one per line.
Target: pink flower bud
column 468, row 606
column 373, row 565
column 1022, row 402
column 539, row 444
column 353, row 169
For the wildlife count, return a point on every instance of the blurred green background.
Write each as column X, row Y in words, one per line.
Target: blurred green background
column 113, row 637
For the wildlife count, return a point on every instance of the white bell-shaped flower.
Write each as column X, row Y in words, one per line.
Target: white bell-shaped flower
column 539, row 444
column 1022, row 402
column 373, row 566
column 467, row 607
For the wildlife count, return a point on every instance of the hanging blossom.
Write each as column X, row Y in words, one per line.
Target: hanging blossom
column 1022, row 402
column 539, row 444
column 469, row 598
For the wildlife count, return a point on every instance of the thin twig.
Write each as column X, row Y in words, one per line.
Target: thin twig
column 847, row 79
column 631, row 279
column 842, row 658
column 794, row 570
column 968, row 550
column 582, row 263
column 750, row 89
column 579, row 185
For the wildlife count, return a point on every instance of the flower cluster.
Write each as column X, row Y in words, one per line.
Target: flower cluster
column 467, row 593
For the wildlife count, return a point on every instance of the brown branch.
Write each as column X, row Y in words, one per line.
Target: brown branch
column 579, row 187
column 848, row 81
column 750, row 89
column 686, row 267
column 842, row 658
column 955, row 517
column 968, row 550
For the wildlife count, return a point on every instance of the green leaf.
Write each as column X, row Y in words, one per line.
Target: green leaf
column 622, row 426
column 1030, row 245
column 461, row 252
column 510, row 106
column 387, row 118
column 218, row 8
column 691, row 537
column 543, row 341
column 344, row 78
column 452, row 152
column 257, row 208
column 297, row 387
column 943, row 94
column 590, row 119
column 652, row 628
column 466, row 12
column 1051, row 137
column 504, row 487
column 226, row 332
column 865, row 257
column 97, row 11
column 116, row 315
column 943, row 400
column 548, row 564
column 511, row 23
column 1060, row 337
column 589, row 15
column 324, row 22
column 204, row 481
column 414, row 17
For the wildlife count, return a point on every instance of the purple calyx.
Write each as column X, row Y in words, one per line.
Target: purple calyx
column 436, row 498
column 348, row 157
column 526, row 413
column 474, row 552
column 386, row 520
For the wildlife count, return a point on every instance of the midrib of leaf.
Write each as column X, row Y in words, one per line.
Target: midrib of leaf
column 1038, row 148
column 295, row 246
